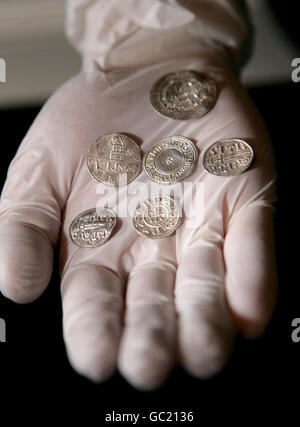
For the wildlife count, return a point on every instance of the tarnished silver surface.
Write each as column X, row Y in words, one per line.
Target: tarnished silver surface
column 114, row 159
column 228, row 157
column 170, row 159
column 157, row 217
column 183, row 95
column 93, row 227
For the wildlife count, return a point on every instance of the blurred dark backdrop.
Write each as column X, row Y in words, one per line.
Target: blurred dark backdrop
column 285, row 12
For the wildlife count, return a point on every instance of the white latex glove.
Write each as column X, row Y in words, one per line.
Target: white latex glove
column 135, row 302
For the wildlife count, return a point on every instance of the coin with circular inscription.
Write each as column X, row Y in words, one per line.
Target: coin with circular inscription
column 114, row 159
column 170, row 159
column 157, row 217
column 183, row 95
column 228, row 157
column 93, row 227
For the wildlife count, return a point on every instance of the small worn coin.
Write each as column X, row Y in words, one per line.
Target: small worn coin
column 157, row 217
column 228, row 157
column 183, row 95
column 93, row 227
column 114, row 159
column 170, row 159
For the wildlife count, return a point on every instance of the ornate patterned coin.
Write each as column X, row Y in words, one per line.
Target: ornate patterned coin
column 183, row 95
column 93, row 228
column 228, row 157
column 157, row 217
column 170, row 159
column 114, row 159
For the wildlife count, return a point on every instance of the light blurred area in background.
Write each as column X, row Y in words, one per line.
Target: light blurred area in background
column 39, row 58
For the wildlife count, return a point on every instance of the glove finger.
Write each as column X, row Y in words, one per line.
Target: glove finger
column 147, row 347
column 26, row 255
column 93, row 300
column 205, row 329
column 250, row 265
column 29, row 225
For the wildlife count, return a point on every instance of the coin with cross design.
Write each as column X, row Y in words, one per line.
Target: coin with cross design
column 157, row 217
column 228, row 157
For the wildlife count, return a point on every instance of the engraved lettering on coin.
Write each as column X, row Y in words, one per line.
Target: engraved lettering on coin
column 183, row 95
column 228, row 157
column 114, row 159
column 93, row 227
column 157, row 217
column 170, row 159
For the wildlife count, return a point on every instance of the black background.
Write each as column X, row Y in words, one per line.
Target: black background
column 262, row 376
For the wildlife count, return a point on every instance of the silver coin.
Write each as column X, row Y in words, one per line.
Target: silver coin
column 228, row 157
column 114, row 159
column 157, row 217
column 93, row 227
column 183, row 95
column 170, row 159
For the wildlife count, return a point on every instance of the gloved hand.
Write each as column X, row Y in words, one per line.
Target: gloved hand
column 135, row 302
